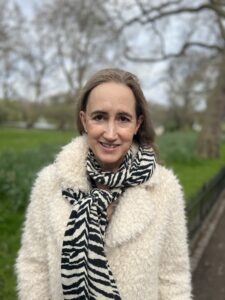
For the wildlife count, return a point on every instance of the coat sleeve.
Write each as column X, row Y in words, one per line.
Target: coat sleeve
column 175, row 275
column 31, row 265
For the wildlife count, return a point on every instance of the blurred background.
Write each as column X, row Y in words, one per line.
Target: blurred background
column 49, row 48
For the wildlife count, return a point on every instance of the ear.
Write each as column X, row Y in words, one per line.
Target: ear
column 139, row 122
column 83, row 119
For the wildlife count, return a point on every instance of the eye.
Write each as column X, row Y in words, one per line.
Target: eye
column 98, row 117
column 124, row 119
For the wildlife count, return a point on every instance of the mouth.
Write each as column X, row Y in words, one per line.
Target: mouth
column 109, row 146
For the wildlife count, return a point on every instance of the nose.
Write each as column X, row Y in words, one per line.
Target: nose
column 110, row 132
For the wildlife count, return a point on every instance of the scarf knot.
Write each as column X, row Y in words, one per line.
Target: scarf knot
column 102, row 198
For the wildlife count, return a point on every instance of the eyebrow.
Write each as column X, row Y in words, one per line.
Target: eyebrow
column 123, row 113
column 96, row 112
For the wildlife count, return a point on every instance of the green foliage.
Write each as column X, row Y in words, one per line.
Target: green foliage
column 10, row 110
column 178, row 147
column 22, row 154
column 197, row 172
column 10, row 233
column 60, row 112
column 17, row 175
column 16, row 178
column 20, row 159
column 177, row 151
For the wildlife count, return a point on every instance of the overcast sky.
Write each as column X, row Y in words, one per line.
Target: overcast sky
column 148, row 75
column 26, row 6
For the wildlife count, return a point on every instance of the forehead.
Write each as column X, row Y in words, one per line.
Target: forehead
column 111, row 95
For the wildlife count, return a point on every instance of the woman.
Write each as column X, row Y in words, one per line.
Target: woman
column 105, row 221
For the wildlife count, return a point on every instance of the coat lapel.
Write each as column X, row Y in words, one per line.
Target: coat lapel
column 133, row 214
column 135, row 210
column 71, row 165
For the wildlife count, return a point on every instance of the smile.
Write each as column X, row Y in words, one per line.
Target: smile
column 107, row 145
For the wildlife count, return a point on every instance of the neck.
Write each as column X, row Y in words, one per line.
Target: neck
column 102, row 186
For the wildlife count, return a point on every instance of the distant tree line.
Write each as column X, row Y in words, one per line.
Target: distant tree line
column 46, row 58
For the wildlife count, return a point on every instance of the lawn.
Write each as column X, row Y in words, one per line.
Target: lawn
column 23, row 139
column 177, row 151
column 24, row 152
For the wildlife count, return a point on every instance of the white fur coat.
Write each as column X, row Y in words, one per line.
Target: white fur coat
column 146, row 240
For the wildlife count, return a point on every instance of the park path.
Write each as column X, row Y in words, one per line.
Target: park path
column 209, row 275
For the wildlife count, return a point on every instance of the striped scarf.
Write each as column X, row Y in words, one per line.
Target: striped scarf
column 85, row 270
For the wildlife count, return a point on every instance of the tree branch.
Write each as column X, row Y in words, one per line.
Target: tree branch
column 164, row 57
column 161, row 14
column 162, row 41
column 155, row 8
column 221, row 27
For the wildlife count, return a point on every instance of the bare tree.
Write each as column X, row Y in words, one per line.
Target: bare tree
column 208, row 144
column 36, row 60
column 11, row 20
column 199, row 27
column 188, row 85
column 78, row 37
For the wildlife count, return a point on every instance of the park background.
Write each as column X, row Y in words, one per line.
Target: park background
column 47, row 51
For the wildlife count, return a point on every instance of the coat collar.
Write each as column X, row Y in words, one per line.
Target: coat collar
column 71, row 165
column 135, row 210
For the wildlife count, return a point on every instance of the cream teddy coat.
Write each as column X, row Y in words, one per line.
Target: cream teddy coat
column 146, row 239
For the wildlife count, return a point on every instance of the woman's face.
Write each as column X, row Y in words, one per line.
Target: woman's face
column 111, row 122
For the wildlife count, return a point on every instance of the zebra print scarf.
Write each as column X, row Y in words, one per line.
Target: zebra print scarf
column 85, row 271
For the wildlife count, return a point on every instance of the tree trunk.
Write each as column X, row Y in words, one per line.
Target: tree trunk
column 209, row 139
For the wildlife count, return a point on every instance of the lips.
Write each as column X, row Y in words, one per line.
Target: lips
column 108, row 145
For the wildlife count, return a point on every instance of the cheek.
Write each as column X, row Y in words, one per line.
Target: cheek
column 91, row 128
column 128, row 134
column 93, row 131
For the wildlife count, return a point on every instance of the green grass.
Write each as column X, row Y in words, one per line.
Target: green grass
column 24, row 152
column 177, row 146
column 23, row 139
column 10, row 226
column 177, row 151
column 16, row 177
column 197, row 172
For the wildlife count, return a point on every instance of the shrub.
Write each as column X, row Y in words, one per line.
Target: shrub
column 18, row 170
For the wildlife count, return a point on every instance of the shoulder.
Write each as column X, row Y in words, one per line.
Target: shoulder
column 45, row 175
column 164, row 178
column 67, row 162
column 73, row 150
column 70, row 164
column 167, row 177
column 45, row 179
column 166, row 187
